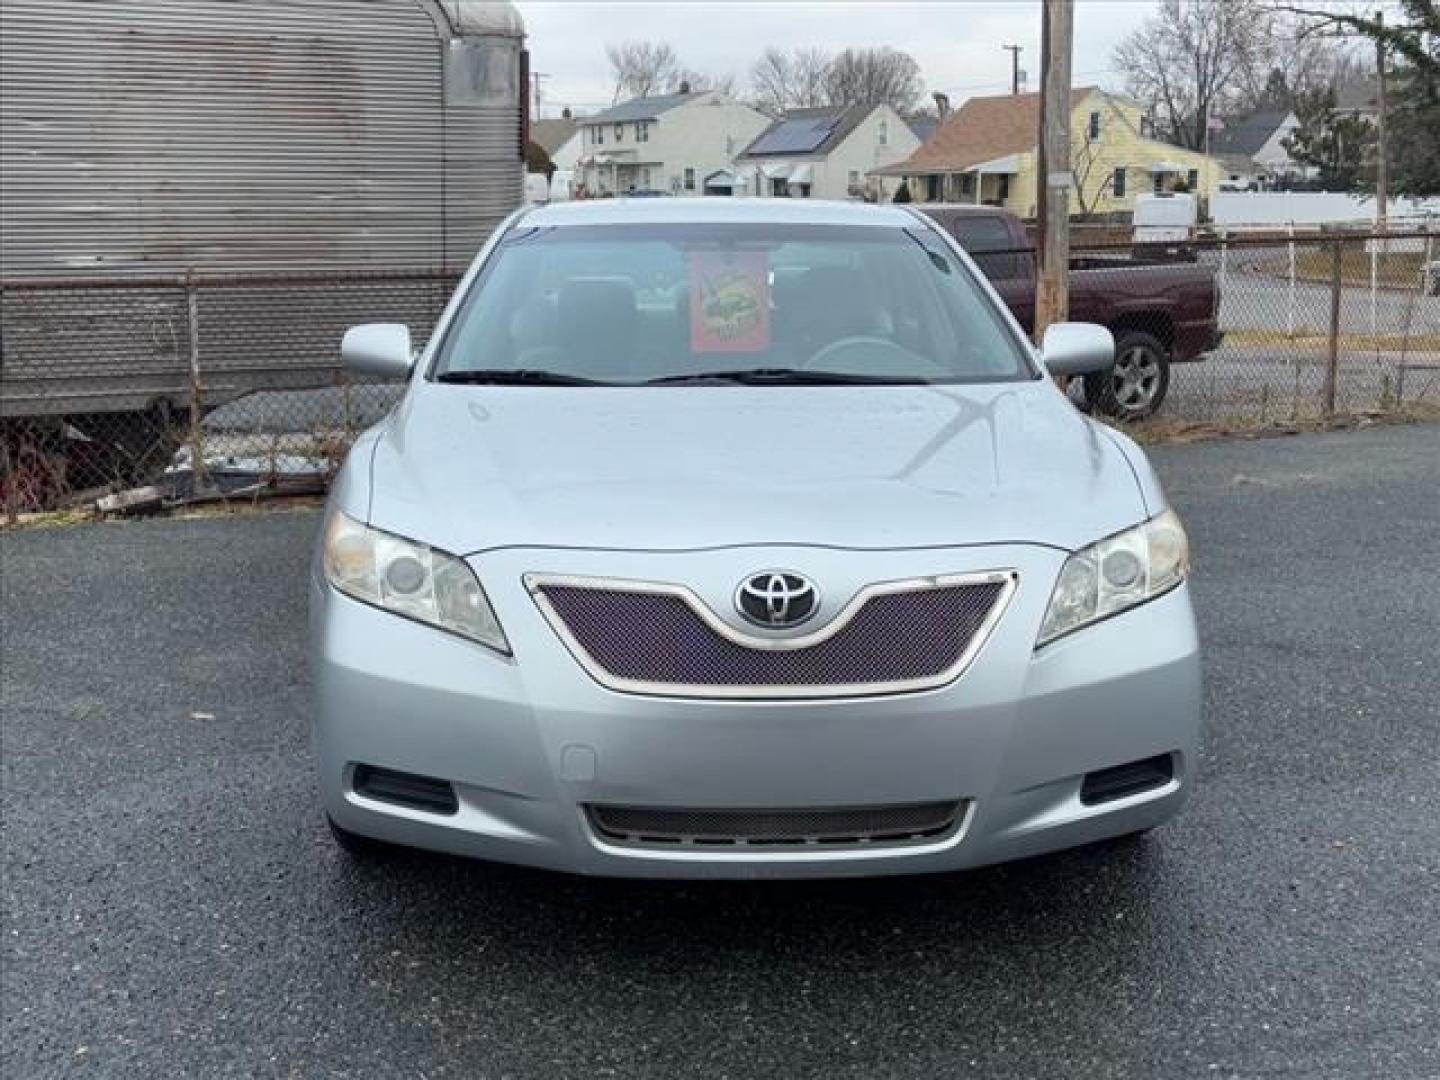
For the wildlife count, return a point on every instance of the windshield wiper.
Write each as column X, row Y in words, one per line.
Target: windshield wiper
column 516, row 377
column 782, row 376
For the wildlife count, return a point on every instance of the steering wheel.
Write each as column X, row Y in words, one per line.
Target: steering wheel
column 832, row 357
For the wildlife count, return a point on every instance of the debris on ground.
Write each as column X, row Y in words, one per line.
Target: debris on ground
column 141, row 500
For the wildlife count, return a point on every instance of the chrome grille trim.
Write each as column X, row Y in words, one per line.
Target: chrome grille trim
column 1008, row 580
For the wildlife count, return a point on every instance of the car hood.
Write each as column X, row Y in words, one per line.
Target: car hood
column 671, row 468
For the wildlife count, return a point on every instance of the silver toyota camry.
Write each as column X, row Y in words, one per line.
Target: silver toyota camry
column 738, row 538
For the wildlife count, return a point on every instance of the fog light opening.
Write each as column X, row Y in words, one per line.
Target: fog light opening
column 1132, row 778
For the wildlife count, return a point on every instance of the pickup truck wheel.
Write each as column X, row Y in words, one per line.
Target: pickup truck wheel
column 1137, row 384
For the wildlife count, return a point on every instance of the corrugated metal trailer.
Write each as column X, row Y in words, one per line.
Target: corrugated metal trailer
column 144, row 142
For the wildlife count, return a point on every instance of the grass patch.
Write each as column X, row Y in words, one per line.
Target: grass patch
column 1393, row 269
column 1349, row 342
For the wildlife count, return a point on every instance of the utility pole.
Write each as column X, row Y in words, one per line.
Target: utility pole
column 1014, row 51
column 1054, row 180
column 1382, row 151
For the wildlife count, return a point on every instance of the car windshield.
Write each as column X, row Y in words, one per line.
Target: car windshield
column 640, row 304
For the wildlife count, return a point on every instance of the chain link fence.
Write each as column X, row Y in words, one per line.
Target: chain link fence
column 1315, row 326
column 193, row 385
column 199, row 385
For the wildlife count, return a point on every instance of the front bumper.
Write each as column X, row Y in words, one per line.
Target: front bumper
column 528, row 743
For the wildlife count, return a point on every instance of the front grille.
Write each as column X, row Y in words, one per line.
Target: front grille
column 656, row 639
column 856, row 825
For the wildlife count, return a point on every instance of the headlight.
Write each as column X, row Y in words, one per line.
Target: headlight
column 1127, row 569
column 409, row 579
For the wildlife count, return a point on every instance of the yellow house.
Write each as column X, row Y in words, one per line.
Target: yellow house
column 984, row 153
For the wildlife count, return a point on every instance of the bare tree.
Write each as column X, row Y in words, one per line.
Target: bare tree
column 1291, row 64
column 863, row 76
column 782, row 80
column 812, row 76
column 1085, row 161
column 698, row 81
column 642, row 68
column 1185, row 61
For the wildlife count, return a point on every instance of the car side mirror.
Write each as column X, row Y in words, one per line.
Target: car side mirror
column 381, row 349
column 1074, row 348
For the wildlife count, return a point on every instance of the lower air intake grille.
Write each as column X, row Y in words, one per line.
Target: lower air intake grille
column 895, row 824
column 656, row 640
column 1123, row 781
column 406, row 789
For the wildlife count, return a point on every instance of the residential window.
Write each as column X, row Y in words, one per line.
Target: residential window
column 599, row 133
column 1004, row 192
column 1119, row 185
column 854, row 178
column 1192, row 179
column 642, row 131
column 1159, row 183
column 779, row 187
column 689, row 179
column 967, row 184
column 619, row 132
column 1094, row 126
column 884, row 133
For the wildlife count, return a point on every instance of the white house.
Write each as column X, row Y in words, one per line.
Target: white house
column 682, row 144
column 826, row 153
column 1253, row 149
column 560, row 138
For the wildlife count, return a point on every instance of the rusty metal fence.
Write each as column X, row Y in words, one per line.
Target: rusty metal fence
column 232, row 385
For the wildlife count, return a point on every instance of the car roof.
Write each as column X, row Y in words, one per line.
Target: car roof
column 718, row 210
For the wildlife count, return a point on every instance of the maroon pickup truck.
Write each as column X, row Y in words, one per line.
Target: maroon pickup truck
column 1160, row 312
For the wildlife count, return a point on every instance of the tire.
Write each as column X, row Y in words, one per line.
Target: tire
column 1135, row 388
column 361, row 848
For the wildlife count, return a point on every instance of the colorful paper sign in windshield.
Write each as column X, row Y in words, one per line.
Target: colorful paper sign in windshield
column 729, row 302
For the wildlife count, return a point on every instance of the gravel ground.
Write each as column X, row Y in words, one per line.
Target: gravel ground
column 173, row 906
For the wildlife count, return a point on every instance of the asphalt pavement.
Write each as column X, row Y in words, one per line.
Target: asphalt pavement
column 173, row 906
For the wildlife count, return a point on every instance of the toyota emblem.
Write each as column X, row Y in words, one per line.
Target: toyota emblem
column 776, row 599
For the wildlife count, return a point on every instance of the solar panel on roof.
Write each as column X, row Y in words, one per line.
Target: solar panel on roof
column 795, row 136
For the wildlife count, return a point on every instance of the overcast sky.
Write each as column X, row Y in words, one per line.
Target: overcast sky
column 957, row 42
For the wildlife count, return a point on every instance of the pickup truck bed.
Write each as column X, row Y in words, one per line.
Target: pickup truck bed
column 1160, row 312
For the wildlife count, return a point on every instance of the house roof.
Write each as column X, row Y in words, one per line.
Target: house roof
column 982, row 129
column 552, row 134
column 807, row 133
column 641, row 108
column 1247, row 134
column 923, row 126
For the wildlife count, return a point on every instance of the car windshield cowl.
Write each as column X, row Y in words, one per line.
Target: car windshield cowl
column 786, row 377
column 516, row 377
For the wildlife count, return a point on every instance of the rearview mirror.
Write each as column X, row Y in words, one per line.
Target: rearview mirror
column 378, row 349
column 1075, row 348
